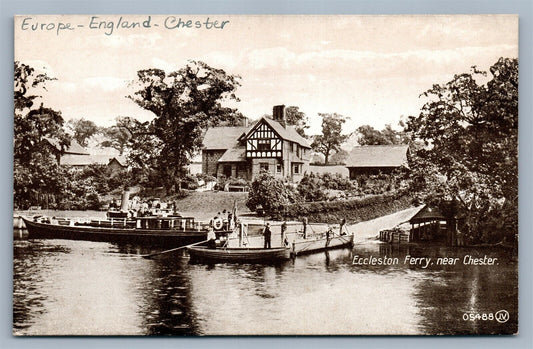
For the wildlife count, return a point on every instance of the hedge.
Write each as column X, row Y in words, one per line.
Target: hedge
column 353, row 210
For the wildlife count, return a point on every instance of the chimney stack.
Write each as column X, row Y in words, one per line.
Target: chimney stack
column 279, row 114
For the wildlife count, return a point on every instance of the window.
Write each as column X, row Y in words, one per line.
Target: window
column 296, row 169
column 278, row 168
column 263, row 166
column 263, row 144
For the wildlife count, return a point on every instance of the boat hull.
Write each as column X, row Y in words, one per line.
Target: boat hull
column 306, row 246
column 239, row 255
column 170, row 238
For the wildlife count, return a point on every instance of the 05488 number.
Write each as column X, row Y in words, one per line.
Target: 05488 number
column 478, row 316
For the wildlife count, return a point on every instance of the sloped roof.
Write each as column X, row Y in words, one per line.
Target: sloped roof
column 288, row 133
column 427, row 214
column 223, row 137
column 236, row 154
column 74, row 148
column 76, row 160
column 120, row 159
column 85, row 160
column 378, row 156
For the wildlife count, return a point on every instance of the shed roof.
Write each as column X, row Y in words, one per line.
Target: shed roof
column 427, row 214
column 74, row 148
column 223, row 137
column 120, row 159
column 378, row 156
column 236, row 154
column 85, row 160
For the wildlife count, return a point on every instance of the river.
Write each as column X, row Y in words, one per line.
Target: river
column 63, row 287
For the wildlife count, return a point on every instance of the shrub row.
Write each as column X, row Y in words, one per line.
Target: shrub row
column 358, row 209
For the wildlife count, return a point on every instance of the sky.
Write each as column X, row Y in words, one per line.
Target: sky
column 370, row 69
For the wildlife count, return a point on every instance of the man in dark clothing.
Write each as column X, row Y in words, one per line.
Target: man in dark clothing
column 268, row 234
column 305, row 222
column 283, row 236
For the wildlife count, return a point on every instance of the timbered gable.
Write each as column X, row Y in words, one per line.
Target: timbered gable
column 263, row 142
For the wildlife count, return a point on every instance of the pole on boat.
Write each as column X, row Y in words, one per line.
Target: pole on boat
column 149, row 256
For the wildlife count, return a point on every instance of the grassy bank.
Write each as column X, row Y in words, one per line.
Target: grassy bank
column 205, row 205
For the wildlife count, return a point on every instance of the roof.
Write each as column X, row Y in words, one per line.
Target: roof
column 85, row 160
column 427, row 214
column 378, row 156
column 74, row 148
column 287, row 133
column 223, row 137
column 236, row 154
column 120, row 159
column 76, row 160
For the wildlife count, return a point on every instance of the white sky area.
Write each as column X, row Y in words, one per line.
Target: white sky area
column 371, row 69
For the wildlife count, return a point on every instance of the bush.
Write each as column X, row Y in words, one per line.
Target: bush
column 357, row 209
column 270, row 194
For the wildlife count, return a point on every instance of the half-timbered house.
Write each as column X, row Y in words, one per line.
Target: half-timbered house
column 268, row 145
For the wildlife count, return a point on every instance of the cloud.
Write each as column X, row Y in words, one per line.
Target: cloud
column 105, row 83
column 359, row 64
column 41, row 67
column 131, row 41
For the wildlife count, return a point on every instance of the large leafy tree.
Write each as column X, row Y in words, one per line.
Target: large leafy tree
column 185, row 103
column 297, row 118
column 36, row 172
column 331, row 138
column 367, row 135
column 83, row 130
column 119, row 135
column 470, row 155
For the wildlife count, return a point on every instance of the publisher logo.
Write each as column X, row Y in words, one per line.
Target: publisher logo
column 502, row 316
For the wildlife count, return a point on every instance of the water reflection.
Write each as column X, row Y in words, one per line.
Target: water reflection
column 79, row 287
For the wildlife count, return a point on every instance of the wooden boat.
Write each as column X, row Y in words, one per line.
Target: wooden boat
column 239, row 254
column 167, row 231
column 321, row 243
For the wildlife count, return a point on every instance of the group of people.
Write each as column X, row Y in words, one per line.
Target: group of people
column 225, row 220
column 267, row 232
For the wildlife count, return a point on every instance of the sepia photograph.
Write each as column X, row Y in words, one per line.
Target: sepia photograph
column 281, row 175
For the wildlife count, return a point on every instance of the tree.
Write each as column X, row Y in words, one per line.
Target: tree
column 367, row 135
column 331, row 137
column 83, row 130
column 295, row 117
column 119, row 135
column 470, row 157
column 298, row 119
column 36, row 171
column 185, row 103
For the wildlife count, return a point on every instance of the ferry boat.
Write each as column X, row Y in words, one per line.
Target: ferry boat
column 152, row 230
column 239, row 254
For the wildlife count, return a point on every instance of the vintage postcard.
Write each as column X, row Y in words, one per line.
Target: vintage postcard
column 265, row 175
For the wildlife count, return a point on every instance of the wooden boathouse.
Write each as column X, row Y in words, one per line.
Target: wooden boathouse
column 423, row 223
column 428, row 224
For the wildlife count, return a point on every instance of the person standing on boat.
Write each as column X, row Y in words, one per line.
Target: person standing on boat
column 268, row 234
column 342, row 227
column 305, row 227
column 283, row 230
column 329, row 234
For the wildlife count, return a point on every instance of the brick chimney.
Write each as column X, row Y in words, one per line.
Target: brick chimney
column 279, row 114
